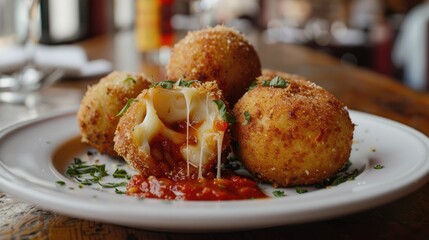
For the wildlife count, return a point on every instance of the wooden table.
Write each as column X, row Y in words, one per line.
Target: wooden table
column 359, row 89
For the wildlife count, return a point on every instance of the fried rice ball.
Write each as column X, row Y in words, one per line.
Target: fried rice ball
column 291, row 131
column 98, row 112
column 175, row 130
column 219, row 53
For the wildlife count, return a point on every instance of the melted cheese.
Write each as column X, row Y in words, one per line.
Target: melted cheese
column 187, row 93
column 165, row 107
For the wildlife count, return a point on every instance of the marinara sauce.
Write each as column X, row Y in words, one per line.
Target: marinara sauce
column 229, row 187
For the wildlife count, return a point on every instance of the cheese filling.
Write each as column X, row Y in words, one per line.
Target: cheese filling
column 185, row 117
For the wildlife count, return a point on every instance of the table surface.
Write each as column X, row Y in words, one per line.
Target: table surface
column 358, row 88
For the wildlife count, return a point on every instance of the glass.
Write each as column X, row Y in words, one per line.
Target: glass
column 25, row 93
column 29, row 75
column 29, row 79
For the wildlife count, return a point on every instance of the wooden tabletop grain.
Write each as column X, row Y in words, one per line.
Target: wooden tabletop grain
column 358, row 88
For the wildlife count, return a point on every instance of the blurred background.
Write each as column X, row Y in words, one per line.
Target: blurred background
column 380, row 35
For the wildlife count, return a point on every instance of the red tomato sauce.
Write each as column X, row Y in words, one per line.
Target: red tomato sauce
column 229, row 187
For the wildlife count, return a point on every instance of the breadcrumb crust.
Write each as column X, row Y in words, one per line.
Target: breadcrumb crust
column 296, row 135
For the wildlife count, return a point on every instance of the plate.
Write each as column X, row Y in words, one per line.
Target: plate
column 33, row 156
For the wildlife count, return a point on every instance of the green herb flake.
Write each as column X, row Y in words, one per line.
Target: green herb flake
column 117, row 191
column 77, row 160
column 76, row 170
column 247, row 118
column 301, row 190
column 183, row 83
column 86, row 182
column 165, row 84
column 253, row 85
column 276, row 82
column 266, row 83
column 89, row 174
column 279, row 193
column 86, row 174
column 125, row 108
column 378, row 166
column 342, row 176
column 130, row 79
column 227, row 116
column 120, row 173
column 346, row 166
column 61, row 183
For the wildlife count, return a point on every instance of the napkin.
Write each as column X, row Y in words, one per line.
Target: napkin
column 71, row 59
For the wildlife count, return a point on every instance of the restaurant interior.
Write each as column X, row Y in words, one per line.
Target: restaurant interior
column 359, row 32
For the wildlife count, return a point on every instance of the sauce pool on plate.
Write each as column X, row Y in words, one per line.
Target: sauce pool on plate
column 229, row 187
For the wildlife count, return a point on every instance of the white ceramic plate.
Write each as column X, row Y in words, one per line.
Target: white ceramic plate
column 33, row 156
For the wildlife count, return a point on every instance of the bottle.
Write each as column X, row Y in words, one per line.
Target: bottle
column 167, row 34
column 153, row 25
column 63, row 21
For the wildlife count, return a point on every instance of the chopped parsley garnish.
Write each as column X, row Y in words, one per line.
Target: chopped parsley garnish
column 276, row 82
column 86, row 174
column 130, row 79
column 79, row 168
column 378, row 166
column 227, row 116
column 125, row 108
column 344, row 178
column 77, row 161
column 301, row 190
column 279, row 193
column 165, row 84
column 253, row 85
column 117, row 191
column 346, row 166
column 61, row 183
column 183, row 83
column 120, row 173
column 89, row 174
column 247, row 118
column 86, row 182
column 341, row 177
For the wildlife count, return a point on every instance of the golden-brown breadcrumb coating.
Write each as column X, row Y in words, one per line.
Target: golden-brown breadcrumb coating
column 297, row 135
column 219, row 53
column 102, row 102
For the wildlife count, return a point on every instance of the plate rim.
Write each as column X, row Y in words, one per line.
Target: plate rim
column 47, row 202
